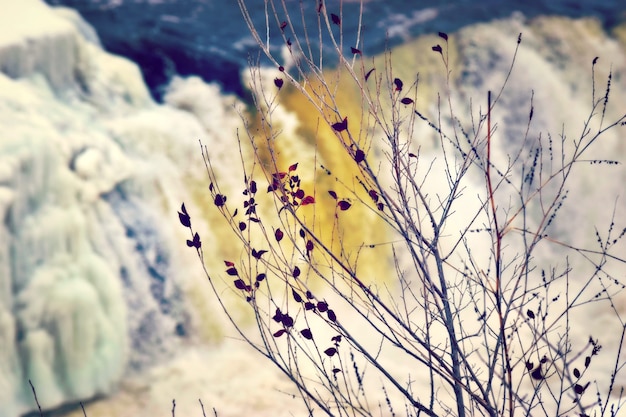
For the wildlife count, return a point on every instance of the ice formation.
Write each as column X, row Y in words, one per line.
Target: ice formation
column 91, row 174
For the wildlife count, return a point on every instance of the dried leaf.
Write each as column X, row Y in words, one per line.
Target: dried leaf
column 341, row 126
column 355, row 51
column 278, row 316
column 258, row 254
column 242, row 226
column 195, row 242
column 278, row 82
column 220, row 200
column 278, row 234
column 260, row 277
column 331, row 315
column 406, row 101
column 443, row 36
column 184, row 219
column 398, row 83
column 359, row 156
column 307, row 200
column 280, row 333
column 437, row 48
column 232, row 271
column 296, row 272
column 293, row 167
column 306, row 333
column 239, row 284
column 330, row 351
column 336, row 20
column 322, row 306
column 287, row 320
column 296, row 296
column 332, row 194
column 369, row 73
column 344, row 205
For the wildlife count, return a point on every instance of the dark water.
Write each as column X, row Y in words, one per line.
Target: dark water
column 209, row 37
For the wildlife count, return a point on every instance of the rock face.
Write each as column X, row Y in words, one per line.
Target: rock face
column 91, row 175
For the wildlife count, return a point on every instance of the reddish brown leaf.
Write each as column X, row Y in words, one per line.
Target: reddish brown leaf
column 293, row 167
column 344, row 205
column 330, row 351
column 406, row 101
column 341, row 126
column 278, row 316
column 331, row 315
column 279, row 175
column 258, row 254
column 184, row 217
column 220, row 200
column 308, row 200
column 359, row 156
column 287, row 320
column 195, row 242
column 228, row 263
column 283, row 25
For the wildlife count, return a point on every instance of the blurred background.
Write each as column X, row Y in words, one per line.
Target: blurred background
column 102, row 104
